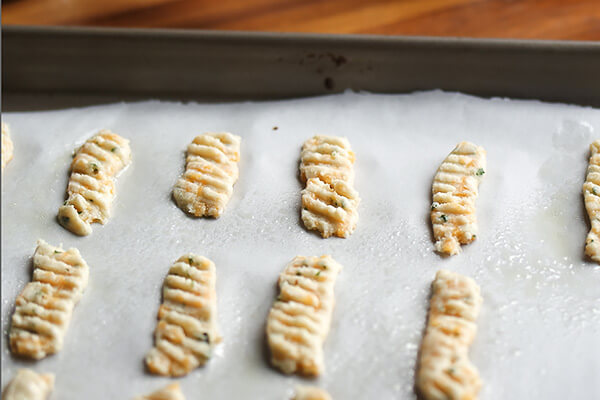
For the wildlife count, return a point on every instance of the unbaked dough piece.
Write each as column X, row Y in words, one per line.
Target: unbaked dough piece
column 91, row 187
column 310, row 393
column 445, row 371
column 327, row 158
column 7, row 146
column 299, row 320
column 454, row 191
column 28, row 385
column 187, row 328
column 329, row 201
column 211, row 170
column 45, row 306
column 331, row 209
column 591, row 196
column 169, row 392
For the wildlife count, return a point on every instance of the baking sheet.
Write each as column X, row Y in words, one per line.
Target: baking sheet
column 540, row 322
column 57, row 67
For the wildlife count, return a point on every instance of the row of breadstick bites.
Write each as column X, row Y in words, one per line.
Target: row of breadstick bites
column 329, row 200
column 187, row 330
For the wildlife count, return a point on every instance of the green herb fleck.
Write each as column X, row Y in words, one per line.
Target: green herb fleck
column 594, row 191
column 57, row 252
column 79, row 212
column 434, row 205
column 65, row 203
column 95, row 168
column 444, row 218
column 318, row 273
column 91, row 200
column 191, row 260
column 480, row 172
column 298, row 273
column 305, row 208
column 65, row 220
column 203, row 336
column 451, row 370
column 113, row 149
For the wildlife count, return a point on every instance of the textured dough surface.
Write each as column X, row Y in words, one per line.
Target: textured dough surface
column 310, row 393
column 187, row 327
column 444, row 370
column 45, row 306
column 91, row 188
column 7, row 146
column 211, row 170
column 327, row 157
column 28, row 385
column 169, row 392
column 329, row 201
column 299, row 320
column 591, row 196
column 454, row 191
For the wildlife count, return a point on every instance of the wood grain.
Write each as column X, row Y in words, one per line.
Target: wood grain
column 532, row 19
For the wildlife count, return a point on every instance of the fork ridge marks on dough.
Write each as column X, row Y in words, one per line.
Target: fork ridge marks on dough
column 454, row 191
column 28, row 385
column 187, row 327
column 7, row 146
column 211, row 170
column 310, row 393
column 591, row 196
column 444, row 370
column 299, row 320
column 44, row 308
column 329, row 201
column 169, row 392
column 91, row 187
column 327, row 158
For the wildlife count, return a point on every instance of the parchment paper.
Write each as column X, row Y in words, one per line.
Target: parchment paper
column 539, row 329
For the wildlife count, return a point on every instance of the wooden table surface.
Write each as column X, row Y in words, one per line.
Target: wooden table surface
column 531, row 19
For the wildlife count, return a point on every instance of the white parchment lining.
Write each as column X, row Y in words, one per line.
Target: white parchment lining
column 539, row 329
